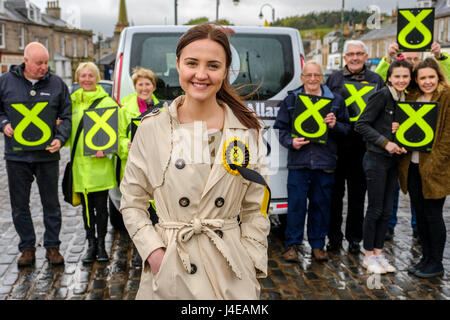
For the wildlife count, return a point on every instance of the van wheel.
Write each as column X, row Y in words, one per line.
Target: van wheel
column 115, row 217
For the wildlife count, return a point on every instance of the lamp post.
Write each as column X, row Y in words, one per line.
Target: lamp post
column 342, row 32
column 261, row 13
column 99, row 39
column 176, row 12
column 235, row 2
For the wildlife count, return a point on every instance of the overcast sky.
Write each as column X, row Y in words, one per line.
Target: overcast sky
column 102, row 15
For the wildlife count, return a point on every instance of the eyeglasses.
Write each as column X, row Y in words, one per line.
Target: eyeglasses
column 310, row 75
column 359, row 54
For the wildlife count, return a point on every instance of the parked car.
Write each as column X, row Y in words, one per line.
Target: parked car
column 106, row 84
column 269, row 57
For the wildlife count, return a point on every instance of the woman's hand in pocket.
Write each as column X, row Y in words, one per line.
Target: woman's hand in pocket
column 154, row 260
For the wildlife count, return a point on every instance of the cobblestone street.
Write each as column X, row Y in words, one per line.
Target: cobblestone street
column 341, row 278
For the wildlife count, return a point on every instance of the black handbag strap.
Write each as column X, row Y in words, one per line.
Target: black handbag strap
column 80, row 127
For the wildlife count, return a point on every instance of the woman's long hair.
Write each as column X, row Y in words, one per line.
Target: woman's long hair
column 226, row 93
column 429, row 63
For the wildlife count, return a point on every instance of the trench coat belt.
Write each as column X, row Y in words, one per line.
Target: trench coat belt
column 206, row 226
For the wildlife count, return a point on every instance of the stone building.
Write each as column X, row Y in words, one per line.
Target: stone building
column 378, row 40
column 106, row 48
column 442, row 24
column 22, row 22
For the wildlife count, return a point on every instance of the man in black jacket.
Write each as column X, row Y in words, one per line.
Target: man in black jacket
column 27, row 93
column 351, row 151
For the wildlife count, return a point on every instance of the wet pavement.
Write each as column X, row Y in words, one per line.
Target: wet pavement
column 340, row 278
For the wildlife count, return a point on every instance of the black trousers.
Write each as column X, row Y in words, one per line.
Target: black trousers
column 381, row 175
column 20, row 178
column 97, row 215
column 430, row 220
column 349, row 170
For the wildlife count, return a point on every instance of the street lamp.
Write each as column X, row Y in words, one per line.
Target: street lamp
column 261, row 13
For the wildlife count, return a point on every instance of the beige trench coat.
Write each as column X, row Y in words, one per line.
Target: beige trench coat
column 208, row 254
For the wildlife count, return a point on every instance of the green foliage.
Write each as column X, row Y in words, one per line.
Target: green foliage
column 197, row 21
column 321, row 20
column 222, row 22
column 315, row 33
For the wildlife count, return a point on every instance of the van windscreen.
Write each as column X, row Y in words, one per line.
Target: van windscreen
column 259, row 60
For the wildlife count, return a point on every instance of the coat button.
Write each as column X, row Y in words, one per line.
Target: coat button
column 193, row 268
column 180, row 164
column 219, row 233
column 184, row 202
column 219, row 202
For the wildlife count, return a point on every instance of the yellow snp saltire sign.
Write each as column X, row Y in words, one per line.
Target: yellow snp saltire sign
column 356, row 96
column 310, row 111
column 417, row 125
column 100, row 127
column 415, row 29
column 33, row 124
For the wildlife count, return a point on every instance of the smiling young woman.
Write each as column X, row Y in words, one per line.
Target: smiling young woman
column 180, row 158
column 380, row 162
column 426, row 175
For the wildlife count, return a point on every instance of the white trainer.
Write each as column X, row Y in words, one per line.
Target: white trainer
column 385, row 263
column 373, row 266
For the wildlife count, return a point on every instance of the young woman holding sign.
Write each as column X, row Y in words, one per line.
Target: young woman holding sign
column 380, row 163
column 94, row 175
column 426, row 175
column 192, row 159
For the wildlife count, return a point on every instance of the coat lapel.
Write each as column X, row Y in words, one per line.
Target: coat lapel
column 218, row 170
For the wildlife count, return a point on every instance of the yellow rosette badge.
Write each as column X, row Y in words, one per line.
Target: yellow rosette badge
column 235, row 152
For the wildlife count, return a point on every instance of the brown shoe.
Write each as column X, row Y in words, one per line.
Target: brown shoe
column 54, row 257
column 290, row 255
column 27, row 258
column 319, row 254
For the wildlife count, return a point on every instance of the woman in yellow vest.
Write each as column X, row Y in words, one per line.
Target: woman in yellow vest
column 133, row 107
column 94, row 175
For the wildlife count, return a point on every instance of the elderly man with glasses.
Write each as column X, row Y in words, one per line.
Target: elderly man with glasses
column 311, row 166
column 350, row 153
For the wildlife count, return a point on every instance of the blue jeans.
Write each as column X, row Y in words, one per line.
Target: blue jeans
column 20, row 178
column 393, row 218
column 381, row 174
column 314, row 186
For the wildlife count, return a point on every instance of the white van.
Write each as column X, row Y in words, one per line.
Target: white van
column 270, row 56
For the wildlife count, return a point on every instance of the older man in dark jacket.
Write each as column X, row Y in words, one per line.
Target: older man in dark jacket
column 33, row 92
column 310, row 165
column 351, row 151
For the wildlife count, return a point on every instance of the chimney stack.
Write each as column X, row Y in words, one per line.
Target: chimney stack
column 53, row 9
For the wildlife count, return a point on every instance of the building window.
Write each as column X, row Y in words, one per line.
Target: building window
column 86, row 48
column 2, row 36
column 448, row 29
column 63, row 46
column 21, row 37
column 74, row 45
column 441, row 30
column 424, row 4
